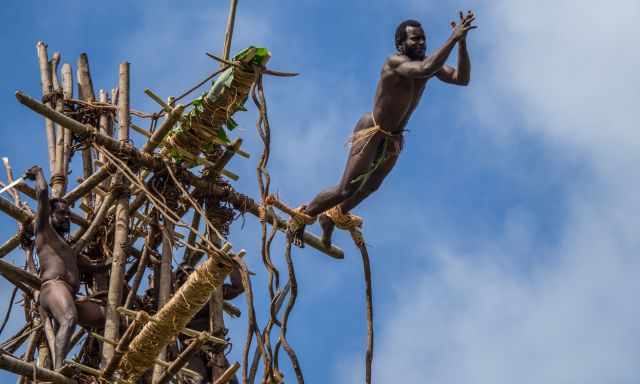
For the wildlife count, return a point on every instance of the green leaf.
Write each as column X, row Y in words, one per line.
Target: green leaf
column 222, row 135
column 231, row 124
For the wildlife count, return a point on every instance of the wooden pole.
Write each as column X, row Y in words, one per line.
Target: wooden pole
column 105, row 128
column 216, row 314
column 142, row 265
column 23, row 368
column 58, row 179
column 47, row 88
column 228, row 36
column 67, row 91
column 164, row 289
column 120, row 242
column 9, row 245
column 86, row 93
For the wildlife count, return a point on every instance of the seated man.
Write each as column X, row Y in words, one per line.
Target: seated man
column 59, row 270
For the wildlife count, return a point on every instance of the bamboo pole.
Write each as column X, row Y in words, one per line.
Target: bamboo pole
column 86, row 93
column 67, row 91
column 47, row 88
column 85, row 84
column 23, row 368
column 105, row 128
column 58, row 182
column 116, row 280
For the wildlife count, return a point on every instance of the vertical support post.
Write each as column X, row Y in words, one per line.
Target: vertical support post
column 228, row 36
column 58, row 179
column 121, row 237
column 47, row 88
column 216, row 302
column 67, row 91
column 105, row 128
column 164, row 290
column 86, row 93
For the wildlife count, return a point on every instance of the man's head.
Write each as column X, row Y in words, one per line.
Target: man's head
column 411, row 40
column 60, row 215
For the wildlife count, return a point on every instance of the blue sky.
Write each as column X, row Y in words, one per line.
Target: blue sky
column 503, row 245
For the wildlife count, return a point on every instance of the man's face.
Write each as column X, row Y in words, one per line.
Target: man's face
column 415, row 45
column 60, row 217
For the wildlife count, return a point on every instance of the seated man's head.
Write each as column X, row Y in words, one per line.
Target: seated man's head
column 60, row 215
column 411, row 40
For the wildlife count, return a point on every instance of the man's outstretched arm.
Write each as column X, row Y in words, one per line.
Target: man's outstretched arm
column 462, row 74
column 42, row 194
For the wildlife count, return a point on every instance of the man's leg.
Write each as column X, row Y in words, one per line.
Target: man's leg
column 371, row 185
column 56, row 299
column 90, row 314
column 361, row 157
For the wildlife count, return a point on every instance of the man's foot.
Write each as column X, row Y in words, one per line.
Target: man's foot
column 297, row 236
column 327, row 226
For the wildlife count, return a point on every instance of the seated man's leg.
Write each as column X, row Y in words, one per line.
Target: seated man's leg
column 57, row 299
column 90, row 314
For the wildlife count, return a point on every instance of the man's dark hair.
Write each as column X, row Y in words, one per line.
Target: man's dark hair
column 401, row 31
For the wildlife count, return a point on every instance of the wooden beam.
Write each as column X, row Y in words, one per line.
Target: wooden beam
column 19, row 367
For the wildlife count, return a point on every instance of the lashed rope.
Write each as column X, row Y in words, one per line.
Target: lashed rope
column 173, row 317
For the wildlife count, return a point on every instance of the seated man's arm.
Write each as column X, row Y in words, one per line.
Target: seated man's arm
column 42, row 195
column 231, row 291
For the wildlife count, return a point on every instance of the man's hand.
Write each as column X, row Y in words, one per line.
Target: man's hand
column 460, row 30
column 32, row 172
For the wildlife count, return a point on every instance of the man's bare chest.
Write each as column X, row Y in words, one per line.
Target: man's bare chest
column 51, row 242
